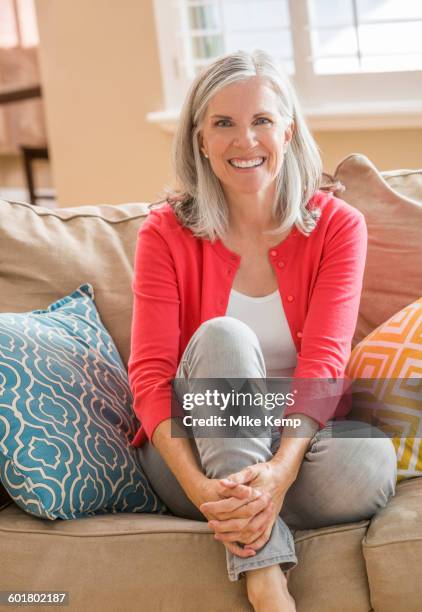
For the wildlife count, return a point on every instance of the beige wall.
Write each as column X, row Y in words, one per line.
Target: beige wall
column 388, row 149
column 100, row 71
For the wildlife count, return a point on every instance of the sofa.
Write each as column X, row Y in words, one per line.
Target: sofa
column 152, row 562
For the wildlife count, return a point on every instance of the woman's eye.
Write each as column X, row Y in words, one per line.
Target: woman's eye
column 259, row 121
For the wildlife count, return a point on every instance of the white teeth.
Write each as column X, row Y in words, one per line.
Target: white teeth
column 250, row 163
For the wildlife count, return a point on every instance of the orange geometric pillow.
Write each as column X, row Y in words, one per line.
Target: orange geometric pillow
column 386, row 367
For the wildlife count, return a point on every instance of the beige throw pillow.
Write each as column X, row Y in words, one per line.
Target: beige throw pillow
column 406, row 182
column 393, row 273
column 45, row 254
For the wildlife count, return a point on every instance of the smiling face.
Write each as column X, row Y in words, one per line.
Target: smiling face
column 244, row 136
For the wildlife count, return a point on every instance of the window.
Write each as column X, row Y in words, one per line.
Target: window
column 348, row 59
column 365, row 35
column 213, row 28
column 206, row 29
column 18, row 24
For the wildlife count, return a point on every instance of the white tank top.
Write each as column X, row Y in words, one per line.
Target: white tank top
column 265, row 315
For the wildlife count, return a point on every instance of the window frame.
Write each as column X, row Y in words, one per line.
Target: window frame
column 375, row 100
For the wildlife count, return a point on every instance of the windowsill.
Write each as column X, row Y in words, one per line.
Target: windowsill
column 370, row 116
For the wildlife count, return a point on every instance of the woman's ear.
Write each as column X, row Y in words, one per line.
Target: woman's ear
column 288, row 134
column 201, row 145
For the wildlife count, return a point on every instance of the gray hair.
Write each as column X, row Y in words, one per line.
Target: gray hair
column 199, row 201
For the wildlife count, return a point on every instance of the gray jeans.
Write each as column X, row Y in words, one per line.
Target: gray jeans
column 342, row 479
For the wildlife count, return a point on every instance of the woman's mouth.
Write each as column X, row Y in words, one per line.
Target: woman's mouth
column 246, row 164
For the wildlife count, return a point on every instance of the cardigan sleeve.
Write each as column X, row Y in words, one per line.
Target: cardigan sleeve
column 155, row 327
column 331, row 319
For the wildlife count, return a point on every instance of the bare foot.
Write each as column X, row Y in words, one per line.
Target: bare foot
column 267, row 590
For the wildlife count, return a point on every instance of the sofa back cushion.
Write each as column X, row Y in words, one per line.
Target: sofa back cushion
column 45, row 254
column 393, row 276
column 406, row 182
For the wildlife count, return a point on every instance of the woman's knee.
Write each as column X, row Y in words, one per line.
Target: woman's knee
column 225, row 347
column 368, row 464
column 386, row 470
column 375, row 473
column 344, row 480
column 221, row 331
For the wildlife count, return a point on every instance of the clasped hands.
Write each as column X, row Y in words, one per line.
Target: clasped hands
column 245, row 505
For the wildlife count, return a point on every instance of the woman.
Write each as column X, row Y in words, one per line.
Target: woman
column 249, row 270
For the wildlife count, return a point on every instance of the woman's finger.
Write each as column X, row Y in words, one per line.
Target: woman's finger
column 239, row 551
column 230, row 525
column 260, row 542
column 235, row 508
column 246, row 511
column 239, row 523
column 257, row 526
column 244, row 494
column 227, row 504
column 254, row 537
column 246, row 534
column 223, row 509
column 240, row 491
column 231, row 536
column 242, row 477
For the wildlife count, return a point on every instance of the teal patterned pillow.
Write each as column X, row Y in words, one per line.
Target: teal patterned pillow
column 66, row 419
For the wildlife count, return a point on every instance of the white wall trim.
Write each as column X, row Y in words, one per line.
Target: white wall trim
column 14, row 194
column 20, row 194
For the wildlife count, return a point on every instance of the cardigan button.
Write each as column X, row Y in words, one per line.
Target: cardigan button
column 299, row 334
column 290, row 298
column 281, row 264
column 273, row 253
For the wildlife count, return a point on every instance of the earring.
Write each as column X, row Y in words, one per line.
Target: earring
column 205, row 155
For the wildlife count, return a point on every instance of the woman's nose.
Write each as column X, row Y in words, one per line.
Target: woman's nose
column 245, row 137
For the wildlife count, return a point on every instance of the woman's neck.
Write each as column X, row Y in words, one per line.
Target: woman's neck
column 250, row 215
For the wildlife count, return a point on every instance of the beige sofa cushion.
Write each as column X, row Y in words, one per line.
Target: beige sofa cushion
column 393, row 276
column 119, row 562
column 406, row 182
column 393, row 551
column 331, row 573
column 46, row 254
column 148, row 561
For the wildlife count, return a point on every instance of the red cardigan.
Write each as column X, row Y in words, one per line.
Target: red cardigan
column 181, row 281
